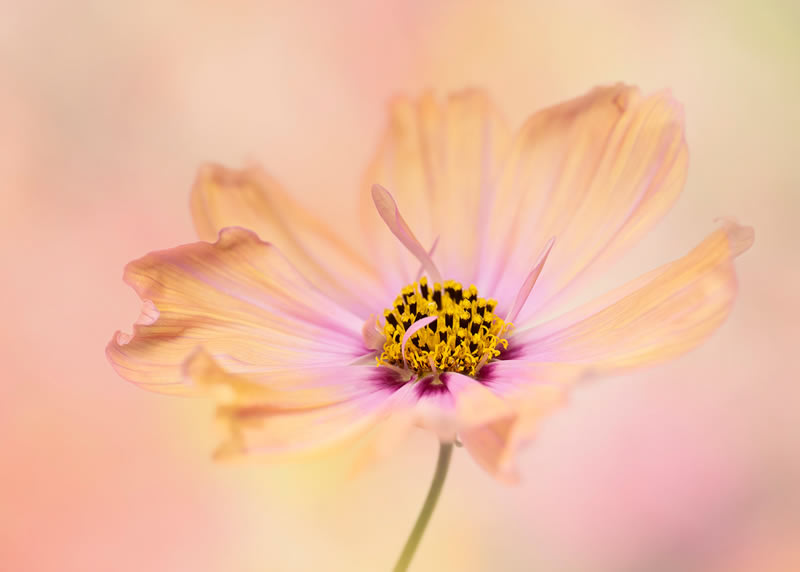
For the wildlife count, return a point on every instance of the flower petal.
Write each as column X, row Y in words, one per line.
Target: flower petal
column 249, row 198
column 387, row 208
column 415, row 327
column 596, row 173
column 660, row 315
column 455, row 404
column 239, row 299
column 531, row 392
column 493, row 417
column 260, row 421
column 440, row 162
column 527, row 285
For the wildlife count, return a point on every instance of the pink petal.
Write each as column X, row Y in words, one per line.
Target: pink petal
column 373, row 335
column 431, row 251
column 527, row 286
column 415, row 327
column 387, row 208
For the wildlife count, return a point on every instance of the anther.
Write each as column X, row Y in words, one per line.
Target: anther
column 437, row 295
column 458, row 293
column 476, row 324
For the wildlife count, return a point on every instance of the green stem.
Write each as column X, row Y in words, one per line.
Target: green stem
column 445, row 451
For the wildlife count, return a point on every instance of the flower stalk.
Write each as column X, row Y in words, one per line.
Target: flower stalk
column 442, row 464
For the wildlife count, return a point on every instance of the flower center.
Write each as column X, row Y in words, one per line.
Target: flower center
column 461, row 332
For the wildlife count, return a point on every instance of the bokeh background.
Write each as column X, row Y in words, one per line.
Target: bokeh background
column 107, row 109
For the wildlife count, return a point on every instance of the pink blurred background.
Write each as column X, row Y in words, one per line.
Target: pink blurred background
column 107, row 109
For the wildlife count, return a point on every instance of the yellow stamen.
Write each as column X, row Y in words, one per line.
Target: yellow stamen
column 465, row 335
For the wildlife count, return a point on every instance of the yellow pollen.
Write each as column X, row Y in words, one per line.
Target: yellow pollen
column 465, row 335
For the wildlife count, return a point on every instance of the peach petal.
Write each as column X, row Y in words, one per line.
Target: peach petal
column 496, row 444
column 249, row 198
column 531, row 392
column 241, row 300
column 658, row 316
column 475, row 404
column 382, row 439
column 489, row 446
column 276, row 390
column 439, row 160
column 319, row 410
column 596, row 172
column 458, row 403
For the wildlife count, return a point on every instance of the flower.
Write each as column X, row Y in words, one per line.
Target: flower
column 426, row 310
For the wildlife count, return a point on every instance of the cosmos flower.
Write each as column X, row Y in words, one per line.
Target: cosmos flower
column 432, row 307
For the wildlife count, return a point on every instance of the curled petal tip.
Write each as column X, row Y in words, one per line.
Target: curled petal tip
column 121, row 338
column 380, row 191
column 624, row 97
column 740, row 237
column 149, row 314
column 383, row 199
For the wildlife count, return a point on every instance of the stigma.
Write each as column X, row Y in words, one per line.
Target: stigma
column 461, row 331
